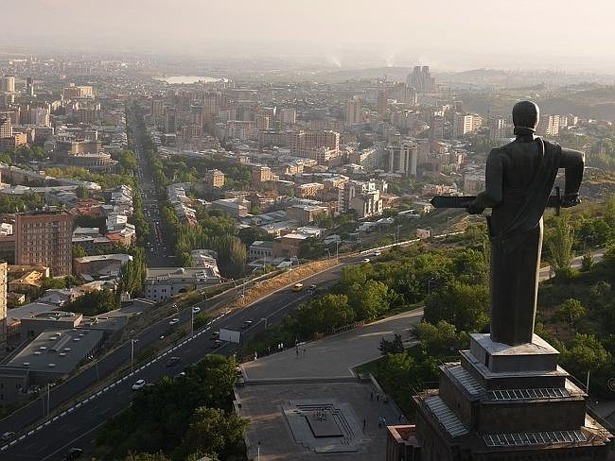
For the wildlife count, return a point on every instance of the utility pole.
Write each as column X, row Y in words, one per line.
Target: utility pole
column 132, row 353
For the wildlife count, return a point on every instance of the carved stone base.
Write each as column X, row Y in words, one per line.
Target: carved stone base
column 502, row 400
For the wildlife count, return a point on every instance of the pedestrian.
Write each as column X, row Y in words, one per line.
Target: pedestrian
column 371, row 395
column 364, row 422
column 297, row 352
column 384, row 422
column 304, row 350
column 385, row 399
column 378, row 397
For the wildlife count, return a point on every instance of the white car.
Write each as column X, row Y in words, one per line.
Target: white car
column 174, row 321
column 140, row 384
column 196, row 309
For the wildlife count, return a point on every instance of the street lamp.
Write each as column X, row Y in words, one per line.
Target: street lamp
column 132, row 352
column 337, row 249
column 264, row 319
column 191, row 321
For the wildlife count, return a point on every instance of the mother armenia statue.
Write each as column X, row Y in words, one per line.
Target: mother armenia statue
column 518, row 182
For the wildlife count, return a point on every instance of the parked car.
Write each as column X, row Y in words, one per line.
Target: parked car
column 174, row 321
column 215, row 335
column 216, row 344
column 139, row 384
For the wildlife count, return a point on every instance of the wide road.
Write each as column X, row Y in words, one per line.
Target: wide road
column 77, row 425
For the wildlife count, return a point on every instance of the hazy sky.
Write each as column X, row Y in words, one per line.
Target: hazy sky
column 446, row 34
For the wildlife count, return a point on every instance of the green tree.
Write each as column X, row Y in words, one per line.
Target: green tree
column 94, row 303
column 212, row 433
column 559, row 242
column 571, row 311
column 322, row 315
column 369, row 300
column 249, row 235
column 393, row 346
column 464, row 306
column 440, row 339
column 585, row 353
column 79, row 251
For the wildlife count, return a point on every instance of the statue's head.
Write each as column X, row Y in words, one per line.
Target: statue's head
column 525, row 117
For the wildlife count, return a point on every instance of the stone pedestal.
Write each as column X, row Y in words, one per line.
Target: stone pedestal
column 507, row 403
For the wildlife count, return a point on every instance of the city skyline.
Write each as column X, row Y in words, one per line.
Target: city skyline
column 443, row 34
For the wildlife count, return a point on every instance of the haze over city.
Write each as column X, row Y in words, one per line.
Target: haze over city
column 447, row 35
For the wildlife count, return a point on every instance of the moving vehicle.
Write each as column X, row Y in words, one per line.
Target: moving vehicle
column 297, row 287
column 139, row 384
column 217, row 343
column 172, row 361
column 246, row 324
column 73, row 453
column 196, row 309
column 174, row 321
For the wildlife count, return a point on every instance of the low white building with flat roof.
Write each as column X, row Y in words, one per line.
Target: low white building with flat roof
column 166, row 282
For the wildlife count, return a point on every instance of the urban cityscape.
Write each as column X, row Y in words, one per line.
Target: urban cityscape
column 249, row 252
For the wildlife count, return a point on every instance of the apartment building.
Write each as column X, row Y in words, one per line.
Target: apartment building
column 44, row 238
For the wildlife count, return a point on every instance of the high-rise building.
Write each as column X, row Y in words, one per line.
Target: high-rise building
column 196, row 114
column 6, row 127
column 213, row 179
column 29, row 86
column 436, row 130
column 306, row 143
column 262, row 122
column 39, row 116
column 157, row 108
column 287, row 116
column 3, row 308
column 381, row 103
column 466, row 123
column 499, row 128
column 403, row 158
column 8, row 84
column 44, row 238
column 353, row 112
column 548, row 125
column 72, row 92
column 421, row 80
column 170, row 120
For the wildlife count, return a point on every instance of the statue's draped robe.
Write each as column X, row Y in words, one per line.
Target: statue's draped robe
column 519, row 180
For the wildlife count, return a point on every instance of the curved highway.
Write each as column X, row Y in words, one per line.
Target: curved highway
column 77, row 425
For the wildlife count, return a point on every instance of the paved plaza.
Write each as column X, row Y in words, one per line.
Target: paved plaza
column 307, row 404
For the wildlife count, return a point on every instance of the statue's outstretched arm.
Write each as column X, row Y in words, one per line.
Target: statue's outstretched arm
column 573, row 161
column 492, row 195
